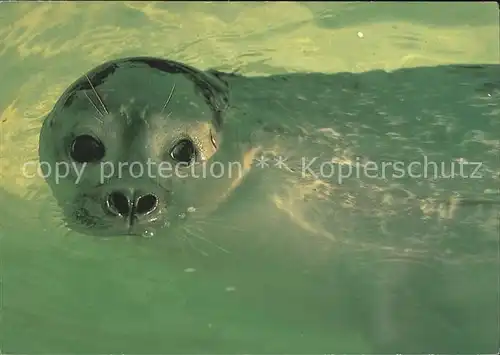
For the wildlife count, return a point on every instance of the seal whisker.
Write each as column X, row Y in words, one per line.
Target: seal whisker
column 208, row 241
column 190, row 242
column 93, row 104
column 169, row 98
column 97, row 95
column 212, row 243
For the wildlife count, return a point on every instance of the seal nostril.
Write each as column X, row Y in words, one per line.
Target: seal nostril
column 145, row 204
column 117, row 203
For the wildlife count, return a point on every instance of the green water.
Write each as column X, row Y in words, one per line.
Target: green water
column 278, row 289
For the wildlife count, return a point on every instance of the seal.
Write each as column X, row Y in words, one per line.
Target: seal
column 129, row 147
column 136, row 145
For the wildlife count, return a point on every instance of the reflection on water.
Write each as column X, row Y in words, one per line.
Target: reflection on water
column 287, row 264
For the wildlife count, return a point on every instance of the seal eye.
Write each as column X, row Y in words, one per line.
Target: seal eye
column 184, row 151
column 86, row 149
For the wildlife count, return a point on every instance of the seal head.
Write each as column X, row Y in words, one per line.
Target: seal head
column 121, row 145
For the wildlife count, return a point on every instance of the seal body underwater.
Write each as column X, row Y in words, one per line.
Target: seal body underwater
column 401, row 162
column 125, row 148
column 339, row 149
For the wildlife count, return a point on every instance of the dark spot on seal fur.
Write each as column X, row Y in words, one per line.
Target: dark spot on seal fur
column 96, row 79
column 69, row 99
column 159, row 64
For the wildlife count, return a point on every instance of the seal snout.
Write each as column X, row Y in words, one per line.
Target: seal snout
column 131, row 203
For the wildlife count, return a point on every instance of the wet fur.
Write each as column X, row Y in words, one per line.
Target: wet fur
column 445, row 113
column 375, row 116
column 124, row 104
